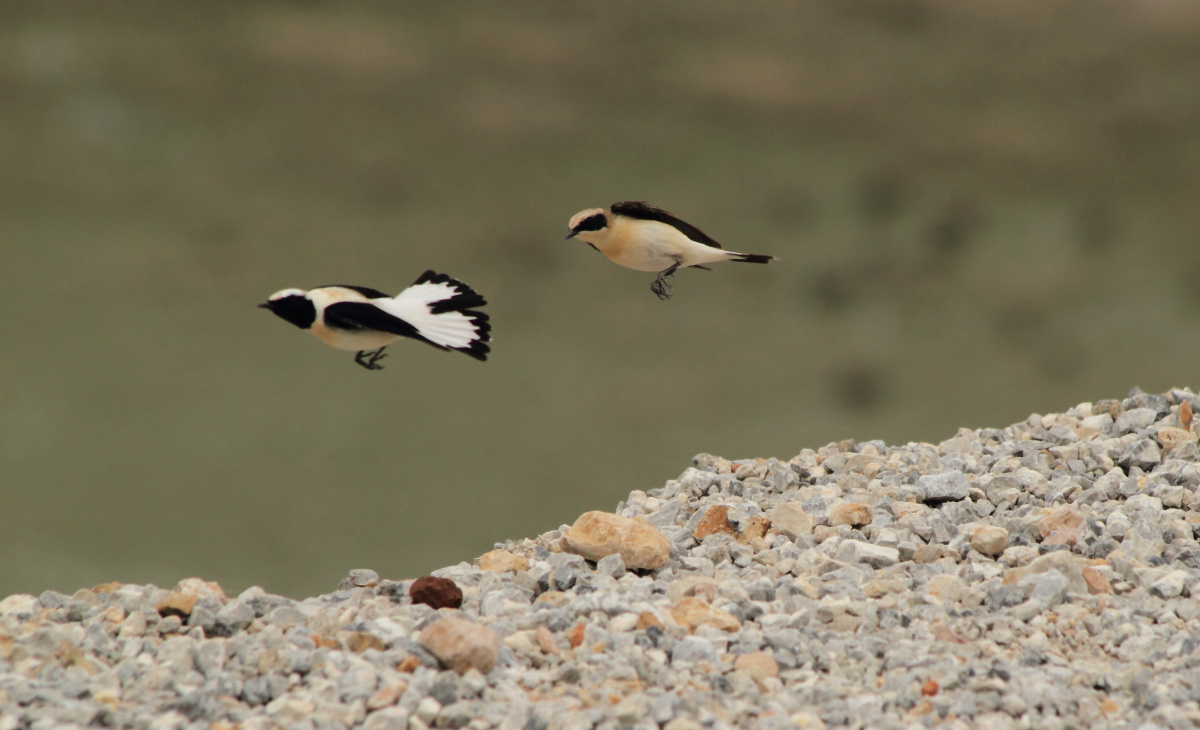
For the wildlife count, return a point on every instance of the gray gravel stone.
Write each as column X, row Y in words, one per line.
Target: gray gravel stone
column 950, row 485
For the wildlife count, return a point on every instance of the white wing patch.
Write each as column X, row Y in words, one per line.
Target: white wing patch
column 449, row 329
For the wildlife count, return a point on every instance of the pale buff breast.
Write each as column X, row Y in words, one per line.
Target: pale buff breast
column 344, row 339
column 654, row 246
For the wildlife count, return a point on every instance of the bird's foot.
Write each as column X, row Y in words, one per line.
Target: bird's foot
column 660, row 287
column 373, row 358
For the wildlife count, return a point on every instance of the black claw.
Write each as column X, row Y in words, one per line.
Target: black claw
column 373, row 362
column 660, row 285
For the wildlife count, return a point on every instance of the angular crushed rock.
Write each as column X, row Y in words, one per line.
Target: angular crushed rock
column 1083, row 607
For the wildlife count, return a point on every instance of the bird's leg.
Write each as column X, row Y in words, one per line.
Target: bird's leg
column 660, row 285
column 372, row 363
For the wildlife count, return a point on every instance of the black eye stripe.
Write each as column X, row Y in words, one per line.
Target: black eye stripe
column 592, row 223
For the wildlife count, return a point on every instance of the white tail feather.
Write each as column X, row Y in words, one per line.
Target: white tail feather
column 448, row 329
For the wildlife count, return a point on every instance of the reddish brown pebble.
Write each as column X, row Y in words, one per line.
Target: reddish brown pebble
column 714, row 521
column 435, row 592
column 409, row 665
column 756, row 526
column 930, row 688
column 1185, row 414
column 576, row 635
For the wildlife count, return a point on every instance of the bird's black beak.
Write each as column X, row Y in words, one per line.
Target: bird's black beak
column 572, row 233
column 264, row 305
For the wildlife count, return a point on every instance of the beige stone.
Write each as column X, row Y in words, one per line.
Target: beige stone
column 693, row 612
column 758, row 665
column 502, row 561
column 854, row 514
column 791, row 520
column 387, row 695
column 1170, row 437
column 545, row 640
column 1060, row 527
column 1096, row 582
column 639, row 543
column 176, row 604
column 461, row 644
column 928, row 553
column 945, row 586
column 989, row 539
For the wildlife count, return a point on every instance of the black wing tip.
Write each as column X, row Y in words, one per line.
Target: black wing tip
column 755, row 258
column 466, row 298
column 479, row 347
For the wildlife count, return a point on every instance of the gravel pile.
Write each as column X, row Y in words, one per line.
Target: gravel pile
column 1045, row 575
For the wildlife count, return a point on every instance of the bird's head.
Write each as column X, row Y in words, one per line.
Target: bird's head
column 589, row 225
column 292, row 305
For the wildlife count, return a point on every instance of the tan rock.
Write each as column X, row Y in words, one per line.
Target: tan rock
column 461, row 644
column 502, row 561
column 883, row 586
column 639, row 543
column 714, row 521
column 1060, row 527
column 387, row 695
column 758, row 665
column 646, row 620
column 945, row 586
column 989, row 539
column 928, row 553
column 1170, row 437
column 545, row 640
column 909, row 509
column 854, row 514
column 692, row 585
column 1096, row 582
column 176, row 604
column 692, row 612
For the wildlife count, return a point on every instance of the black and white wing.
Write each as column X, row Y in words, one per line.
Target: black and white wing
column 441, row 311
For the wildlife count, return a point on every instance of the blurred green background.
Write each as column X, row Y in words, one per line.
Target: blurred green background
column 982, row 209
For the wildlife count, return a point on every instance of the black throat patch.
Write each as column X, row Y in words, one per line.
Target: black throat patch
column 296, row 309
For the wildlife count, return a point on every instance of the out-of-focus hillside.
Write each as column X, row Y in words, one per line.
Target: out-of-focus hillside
column 980, row 209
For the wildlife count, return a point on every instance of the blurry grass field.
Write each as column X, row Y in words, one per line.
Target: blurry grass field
column 982, row 210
